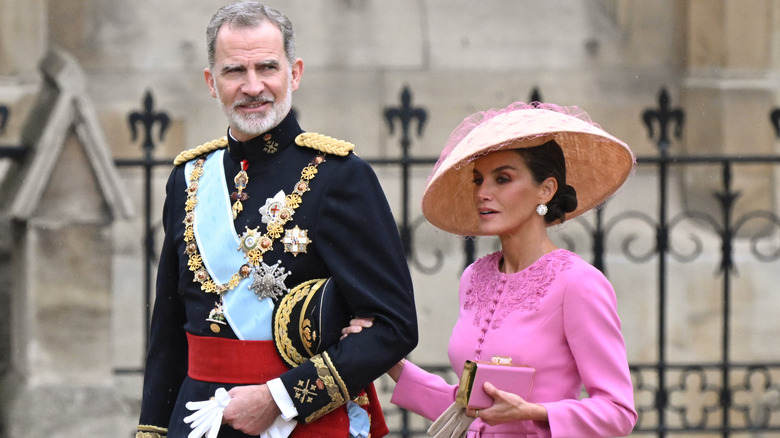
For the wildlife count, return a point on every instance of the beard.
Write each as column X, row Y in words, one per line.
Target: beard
column 256, row 123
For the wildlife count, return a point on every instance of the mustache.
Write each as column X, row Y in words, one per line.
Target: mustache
column 252, row 100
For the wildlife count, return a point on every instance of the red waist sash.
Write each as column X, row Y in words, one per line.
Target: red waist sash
column 233, row 361
column 255, row 362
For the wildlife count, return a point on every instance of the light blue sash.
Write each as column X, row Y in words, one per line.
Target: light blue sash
column 218, row 243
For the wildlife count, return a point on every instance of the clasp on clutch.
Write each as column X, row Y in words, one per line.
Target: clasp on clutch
column 501, row 360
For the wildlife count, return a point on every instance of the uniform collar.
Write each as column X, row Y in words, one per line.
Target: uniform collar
column 265, row 145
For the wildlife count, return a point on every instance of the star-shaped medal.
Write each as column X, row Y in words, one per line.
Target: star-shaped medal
column 276, row 209
column 295, row 240
column 268, row 281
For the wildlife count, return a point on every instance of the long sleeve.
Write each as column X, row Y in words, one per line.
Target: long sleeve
column 558, row 316
column 359, row 242
column 592, row 328
column 166, row 363
column 422, row 392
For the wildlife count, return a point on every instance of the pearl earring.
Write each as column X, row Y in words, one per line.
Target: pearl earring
column 541, row 209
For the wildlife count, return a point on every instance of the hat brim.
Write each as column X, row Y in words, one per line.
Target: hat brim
column 597, row 164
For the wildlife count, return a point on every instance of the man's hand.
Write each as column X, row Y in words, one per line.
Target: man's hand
column 251, row 410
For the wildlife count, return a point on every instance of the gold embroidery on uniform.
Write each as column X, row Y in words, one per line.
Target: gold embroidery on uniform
column 337, row 398
column 288, row 352
column 335, row 373
column 305, row 392
column 362, row 400
column 150, row 428
column 305, row 327
column 149, row 435
column 308, row 335
column 270, row 146
column 147, row 431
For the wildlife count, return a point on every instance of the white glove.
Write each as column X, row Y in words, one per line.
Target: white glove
column 453, row 423
column 208, row 415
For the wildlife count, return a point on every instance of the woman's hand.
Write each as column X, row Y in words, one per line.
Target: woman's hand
column 356, row 325
column 508, row 407
column 395, row 371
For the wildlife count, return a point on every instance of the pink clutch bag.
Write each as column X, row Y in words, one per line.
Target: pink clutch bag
column 500, row 372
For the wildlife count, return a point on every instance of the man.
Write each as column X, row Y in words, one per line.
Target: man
column 254, row 225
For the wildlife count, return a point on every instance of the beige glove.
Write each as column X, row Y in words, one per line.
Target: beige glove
column 453, row 423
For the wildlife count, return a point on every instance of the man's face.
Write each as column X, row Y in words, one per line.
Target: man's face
column 252, row 79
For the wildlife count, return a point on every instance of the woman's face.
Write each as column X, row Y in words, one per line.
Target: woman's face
column 505, row 193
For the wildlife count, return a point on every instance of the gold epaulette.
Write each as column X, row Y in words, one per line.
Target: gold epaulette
column 200, row 150
column 323, row 143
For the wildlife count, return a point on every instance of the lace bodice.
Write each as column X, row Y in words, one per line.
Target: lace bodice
column 493, row 295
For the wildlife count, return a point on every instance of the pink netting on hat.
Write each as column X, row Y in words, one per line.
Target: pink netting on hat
column 469, row 123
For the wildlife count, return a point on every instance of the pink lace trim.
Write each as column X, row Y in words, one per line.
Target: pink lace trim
column 494, row 295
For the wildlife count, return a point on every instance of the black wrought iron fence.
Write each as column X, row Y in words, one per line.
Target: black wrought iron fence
column 720, row 396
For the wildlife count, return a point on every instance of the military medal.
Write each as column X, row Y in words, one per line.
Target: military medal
column 216, row 317
column 295, row 240
column 267, row 281
column 276, row 209
column 241, row 180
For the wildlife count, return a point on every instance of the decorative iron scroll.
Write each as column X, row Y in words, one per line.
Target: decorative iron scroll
column 697, row 399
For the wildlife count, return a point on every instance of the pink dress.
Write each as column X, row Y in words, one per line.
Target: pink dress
column 559, row 316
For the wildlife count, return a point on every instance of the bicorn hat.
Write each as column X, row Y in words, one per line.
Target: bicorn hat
column 308, row 320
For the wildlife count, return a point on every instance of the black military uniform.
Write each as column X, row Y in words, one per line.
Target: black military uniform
column 351, row 238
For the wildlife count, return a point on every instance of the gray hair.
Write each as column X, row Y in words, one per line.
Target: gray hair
column 249, row 14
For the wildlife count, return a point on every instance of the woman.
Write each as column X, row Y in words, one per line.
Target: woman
column 512, row 173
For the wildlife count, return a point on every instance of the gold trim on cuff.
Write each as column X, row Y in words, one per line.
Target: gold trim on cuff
column 328, row 376
column 148, row 431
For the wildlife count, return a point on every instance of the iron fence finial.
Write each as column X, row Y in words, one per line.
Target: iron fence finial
column 406, row 113
column 148, row 118
column 664, row 115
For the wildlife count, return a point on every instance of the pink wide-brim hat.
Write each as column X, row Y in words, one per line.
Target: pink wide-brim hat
column 597, row 163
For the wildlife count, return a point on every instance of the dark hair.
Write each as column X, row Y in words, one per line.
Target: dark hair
column 249, row 14
column 546, row 161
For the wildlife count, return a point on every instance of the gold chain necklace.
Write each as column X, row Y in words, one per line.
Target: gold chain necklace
column 253, row 244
